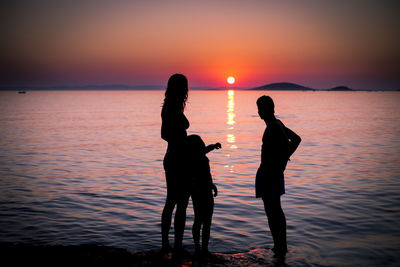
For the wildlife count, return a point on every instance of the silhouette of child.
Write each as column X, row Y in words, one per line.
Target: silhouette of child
column 202, row 187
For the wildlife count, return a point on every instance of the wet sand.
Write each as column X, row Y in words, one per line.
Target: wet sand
column 95, row 255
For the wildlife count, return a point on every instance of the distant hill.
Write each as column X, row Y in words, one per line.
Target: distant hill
column 340, row 88
column 283, row 86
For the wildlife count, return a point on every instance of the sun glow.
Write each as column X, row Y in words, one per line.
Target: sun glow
column 230, row 80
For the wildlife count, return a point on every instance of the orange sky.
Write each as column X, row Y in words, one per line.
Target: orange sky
column 315, row 43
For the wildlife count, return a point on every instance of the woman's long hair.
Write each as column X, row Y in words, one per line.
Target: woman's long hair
column 177, row 92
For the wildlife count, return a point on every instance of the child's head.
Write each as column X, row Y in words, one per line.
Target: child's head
column 196, row 144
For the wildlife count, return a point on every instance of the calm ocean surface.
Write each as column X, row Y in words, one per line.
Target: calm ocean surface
column 79, row 167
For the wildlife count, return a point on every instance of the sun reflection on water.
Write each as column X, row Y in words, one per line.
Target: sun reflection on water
column 230, row 137
column 231, row 109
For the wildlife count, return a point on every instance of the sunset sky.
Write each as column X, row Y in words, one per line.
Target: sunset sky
column 320, row 44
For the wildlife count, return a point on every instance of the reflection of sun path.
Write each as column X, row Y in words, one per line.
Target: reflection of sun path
column 230, row 137
column 231, row 108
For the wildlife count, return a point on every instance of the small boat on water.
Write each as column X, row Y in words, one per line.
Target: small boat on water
column 21, row 92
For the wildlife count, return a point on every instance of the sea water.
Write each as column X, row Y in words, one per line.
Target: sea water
column 85, row 167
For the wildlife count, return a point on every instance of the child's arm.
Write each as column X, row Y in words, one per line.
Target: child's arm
column 214, row 188
column 212, row 147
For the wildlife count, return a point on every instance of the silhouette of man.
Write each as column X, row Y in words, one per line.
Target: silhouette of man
column 278, row 144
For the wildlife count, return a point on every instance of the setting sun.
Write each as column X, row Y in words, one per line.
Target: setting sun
column 231, row 80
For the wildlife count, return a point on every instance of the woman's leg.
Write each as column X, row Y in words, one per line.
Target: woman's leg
column 169, row 206
column 180, row 219
column 276, row 222
column 166, row 218
column 178, row 192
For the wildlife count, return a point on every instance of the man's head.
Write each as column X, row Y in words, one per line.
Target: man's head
column 266, row 107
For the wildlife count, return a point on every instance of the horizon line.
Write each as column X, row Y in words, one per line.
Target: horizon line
column 280, row 86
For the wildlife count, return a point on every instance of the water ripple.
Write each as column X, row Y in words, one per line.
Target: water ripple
column 75, row 172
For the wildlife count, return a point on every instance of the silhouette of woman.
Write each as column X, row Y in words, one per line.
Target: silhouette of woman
column 173, row 130
column 278, row 144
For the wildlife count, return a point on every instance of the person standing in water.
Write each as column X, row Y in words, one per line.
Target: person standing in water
column 202, row 195
column 278, row 144
column 173, row 130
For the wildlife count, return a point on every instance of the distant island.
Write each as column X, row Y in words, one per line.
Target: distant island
column 283, row 87
column 340, row 88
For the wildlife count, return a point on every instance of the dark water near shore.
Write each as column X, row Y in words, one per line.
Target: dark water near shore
column 80, row 167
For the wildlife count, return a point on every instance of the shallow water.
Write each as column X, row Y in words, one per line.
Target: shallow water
column 82, row 167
